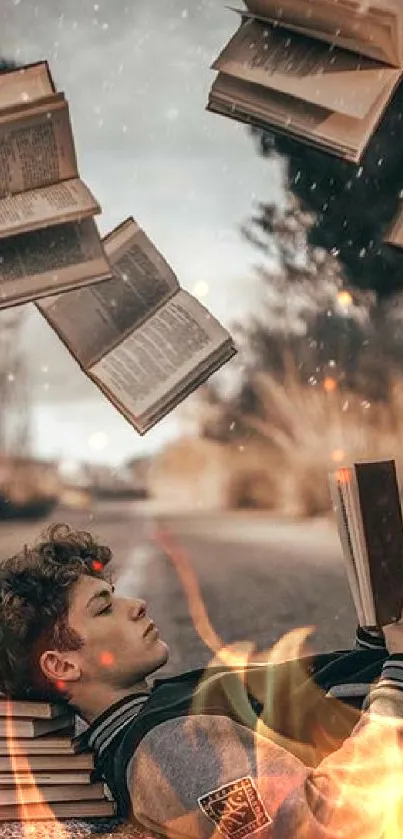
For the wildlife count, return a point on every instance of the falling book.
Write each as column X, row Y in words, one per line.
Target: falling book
column 140, row 337
column 19, row 727
column 323, row 72
column 368, row 511
column 48, row 238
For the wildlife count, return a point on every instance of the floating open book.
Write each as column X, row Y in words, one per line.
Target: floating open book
column 140, row 337
column 366, row 501
column 322, row 71
column 48, row 238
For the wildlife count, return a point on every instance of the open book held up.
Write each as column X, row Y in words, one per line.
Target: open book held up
column 48, row 238
column 366, row 502
column 322, row 71
column 140, row 337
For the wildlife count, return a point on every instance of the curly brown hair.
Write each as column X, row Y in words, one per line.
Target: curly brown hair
column 34, row 600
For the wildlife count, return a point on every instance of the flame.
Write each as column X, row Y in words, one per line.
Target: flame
column 20, row 766
column 343, row 475
column 359, row 777
column 247, row 675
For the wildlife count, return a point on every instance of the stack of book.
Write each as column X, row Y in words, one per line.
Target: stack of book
column 49, row 241
column 41, row 776
column 322, row 71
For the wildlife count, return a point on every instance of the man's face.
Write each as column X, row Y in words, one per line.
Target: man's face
column 117, row 648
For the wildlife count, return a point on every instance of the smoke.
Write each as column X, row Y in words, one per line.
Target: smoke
column 354, row 205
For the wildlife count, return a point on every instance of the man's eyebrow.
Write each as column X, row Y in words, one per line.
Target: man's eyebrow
column 102, row 594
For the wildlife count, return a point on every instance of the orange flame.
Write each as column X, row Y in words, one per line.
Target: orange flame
column 281, row 713
column 361, row 801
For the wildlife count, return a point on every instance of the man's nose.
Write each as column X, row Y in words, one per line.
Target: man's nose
column 138, row 608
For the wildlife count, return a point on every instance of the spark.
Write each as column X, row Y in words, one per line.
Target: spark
column 344, row 298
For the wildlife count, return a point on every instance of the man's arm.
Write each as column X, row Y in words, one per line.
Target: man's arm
column 193, row 775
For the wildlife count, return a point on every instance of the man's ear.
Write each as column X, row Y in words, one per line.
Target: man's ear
column 59, row 666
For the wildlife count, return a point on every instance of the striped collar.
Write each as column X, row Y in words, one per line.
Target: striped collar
column 99, row 735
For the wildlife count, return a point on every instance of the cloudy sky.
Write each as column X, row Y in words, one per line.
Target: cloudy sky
column 137, row 76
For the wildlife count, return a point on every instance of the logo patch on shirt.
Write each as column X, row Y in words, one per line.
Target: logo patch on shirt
column 236, row 809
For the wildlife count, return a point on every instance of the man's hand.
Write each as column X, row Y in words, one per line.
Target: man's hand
column 393, row 633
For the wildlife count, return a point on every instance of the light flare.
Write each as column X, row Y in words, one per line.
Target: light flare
column 338, row 455
column 106, row 658
column 345, row 299
column 329, row 384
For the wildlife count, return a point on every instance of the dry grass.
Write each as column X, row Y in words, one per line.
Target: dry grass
column 302, row 435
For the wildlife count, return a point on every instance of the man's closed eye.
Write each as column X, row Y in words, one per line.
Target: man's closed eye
column 107, row 610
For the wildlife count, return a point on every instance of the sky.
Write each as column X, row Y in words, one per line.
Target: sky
column 137, row 76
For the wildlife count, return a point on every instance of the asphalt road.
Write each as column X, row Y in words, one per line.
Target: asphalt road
column 258, row 578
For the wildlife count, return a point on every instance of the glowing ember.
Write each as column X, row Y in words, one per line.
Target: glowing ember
column 344, row 298
column 96, row 565
column 329, row 384
column 106, row 659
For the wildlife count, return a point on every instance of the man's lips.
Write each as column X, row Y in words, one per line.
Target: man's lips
column 150, row 626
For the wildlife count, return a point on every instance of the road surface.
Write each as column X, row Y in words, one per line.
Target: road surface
column 258, row 577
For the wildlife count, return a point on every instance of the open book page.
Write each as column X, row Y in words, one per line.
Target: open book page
column 197, row 377
column 93, row 320
column 36, row 148
column 370, row 27
column 141, row 266
column 337, row 80
column 336, row 481
column 54, row 204
column 25, row 84
column 159, row 355
column 51, row 260
column 337, row 134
